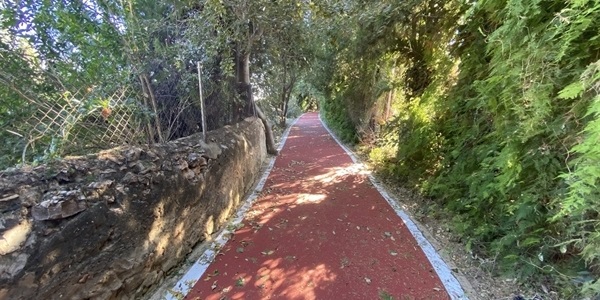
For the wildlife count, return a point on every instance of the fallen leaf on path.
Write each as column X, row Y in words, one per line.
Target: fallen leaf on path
column 269, row 252
column 239, row 282
column 215, row 273
column 344, row 262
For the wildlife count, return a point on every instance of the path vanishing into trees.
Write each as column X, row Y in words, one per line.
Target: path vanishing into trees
column 321, row 230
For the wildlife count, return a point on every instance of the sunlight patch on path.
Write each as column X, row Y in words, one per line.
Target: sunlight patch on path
column 450, row 282
column 185, row 284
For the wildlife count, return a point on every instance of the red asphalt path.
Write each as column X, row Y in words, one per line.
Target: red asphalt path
column 319, row 230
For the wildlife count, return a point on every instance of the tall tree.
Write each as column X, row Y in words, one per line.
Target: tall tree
column 252, row 30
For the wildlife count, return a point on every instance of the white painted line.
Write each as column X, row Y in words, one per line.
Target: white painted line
column 450, row 282
column 187, row 282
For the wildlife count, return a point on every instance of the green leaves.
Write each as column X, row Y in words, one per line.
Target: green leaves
column 571, row 91
column 496, row 118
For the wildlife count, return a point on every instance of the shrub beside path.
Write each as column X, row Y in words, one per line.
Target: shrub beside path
column 320, row 230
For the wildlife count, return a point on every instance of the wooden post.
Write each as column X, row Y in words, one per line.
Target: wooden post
column 201, row 102
column 146, row 94
column 154, row 107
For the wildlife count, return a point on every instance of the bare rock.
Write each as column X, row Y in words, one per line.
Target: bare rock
column 211, row 150
column 152, row 155
column 143, row 168
column 108, row 171
column 133, row 154
column 9, row 202
column 182, row 165
column 196, row 160
column 112, row 156
column 57, row 208
column 189, row 174
column 130, row 178
column 120, row 188
column 101, row 186
column 8, row 220
column 13, row 238
column 166, row 166
column 12, row 264
column 9, row 198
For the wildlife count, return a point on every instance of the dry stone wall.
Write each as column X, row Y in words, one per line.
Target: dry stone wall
column 112, row 224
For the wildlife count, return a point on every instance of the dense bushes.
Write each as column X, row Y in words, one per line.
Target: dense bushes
column 497, row 120
column 77, row 77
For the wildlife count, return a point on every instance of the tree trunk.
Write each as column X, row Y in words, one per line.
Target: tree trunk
column 388, row 105
column 286, row 93
column 149, row 128
column 284, row 109
column 271, row 149
column 286, row 101
column 153, row 101
column 245, row 90
column 283, row 100
column 242, row 62
column 390, row 98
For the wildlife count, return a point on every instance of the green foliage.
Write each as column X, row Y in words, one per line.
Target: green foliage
column 52, row 54
column 336, row 116
column 523, row 115
column 100, row 47
column 581, row 206
column 496, row 120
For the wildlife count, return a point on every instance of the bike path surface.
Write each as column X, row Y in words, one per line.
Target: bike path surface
column 321, row 230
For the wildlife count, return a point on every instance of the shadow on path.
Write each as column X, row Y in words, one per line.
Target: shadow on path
column 319, row 230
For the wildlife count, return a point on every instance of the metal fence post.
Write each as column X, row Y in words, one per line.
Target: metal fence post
column 201, row 102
